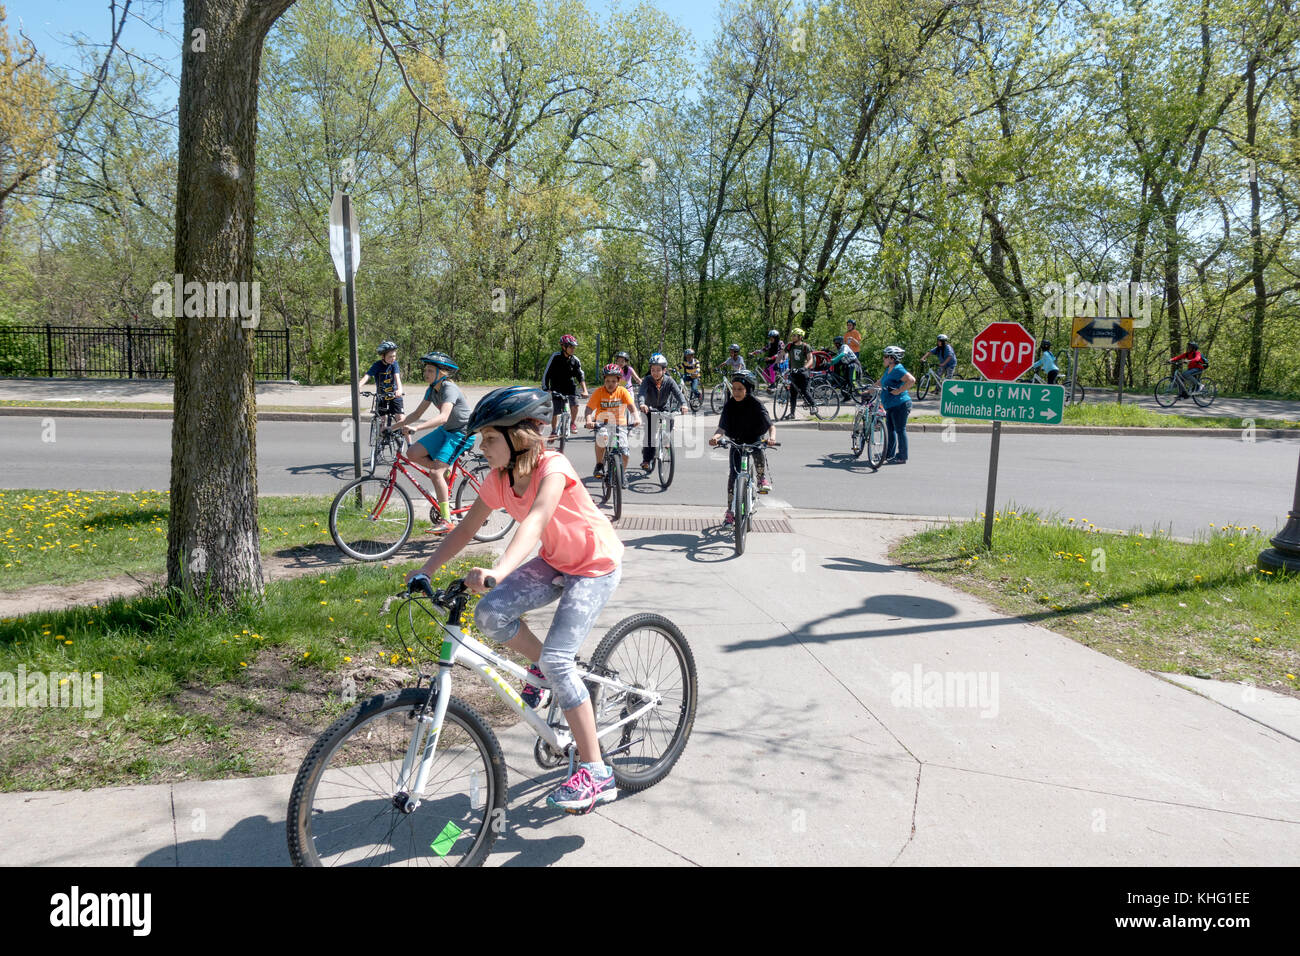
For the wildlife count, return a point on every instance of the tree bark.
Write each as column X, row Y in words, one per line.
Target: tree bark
column 212, row 539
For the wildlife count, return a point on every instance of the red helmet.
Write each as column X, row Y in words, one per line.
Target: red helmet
column 612, row 369
column 567, row 340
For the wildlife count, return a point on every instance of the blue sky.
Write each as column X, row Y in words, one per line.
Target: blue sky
column 48, row 23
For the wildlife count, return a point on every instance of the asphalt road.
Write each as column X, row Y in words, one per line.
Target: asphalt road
column 1180, row 484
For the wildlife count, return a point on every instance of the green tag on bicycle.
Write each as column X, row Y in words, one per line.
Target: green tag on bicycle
column 442, row 844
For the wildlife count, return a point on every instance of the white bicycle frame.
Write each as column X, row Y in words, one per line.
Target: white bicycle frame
column 459, row 648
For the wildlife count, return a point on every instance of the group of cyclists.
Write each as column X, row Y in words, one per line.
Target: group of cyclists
column 579, row 563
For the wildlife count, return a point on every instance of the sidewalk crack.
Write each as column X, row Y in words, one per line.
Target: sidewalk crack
column 176, row 840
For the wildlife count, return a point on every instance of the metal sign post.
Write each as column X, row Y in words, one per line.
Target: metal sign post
column 345, row 250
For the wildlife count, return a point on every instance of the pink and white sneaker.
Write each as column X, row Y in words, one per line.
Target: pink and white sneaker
column 582, row 792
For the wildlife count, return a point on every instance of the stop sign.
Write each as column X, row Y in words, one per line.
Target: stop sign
column 1003, row 351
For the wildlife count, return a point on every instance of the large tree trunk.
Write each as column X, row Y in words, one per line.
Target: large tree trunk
column 1255, row 364
column 212, row 540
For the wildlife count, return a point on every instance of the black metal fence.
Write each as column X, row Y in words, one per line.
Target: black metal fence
column 124, row 352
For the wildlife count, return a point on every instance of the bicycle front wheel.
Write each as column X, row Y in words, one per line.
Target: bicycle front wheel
column 667, row 465
column 371, row 518
column 616, row 469
column 859, row 431
column 738, row 511
column 1166, row 392
column 499, row 522
column 564, row 433
column 923, row 387
column 696, row 400
column 717, row 398
column 1206, row 394
column 343, row 807
column 876, row 440
column 648, row 652
column 781, row 402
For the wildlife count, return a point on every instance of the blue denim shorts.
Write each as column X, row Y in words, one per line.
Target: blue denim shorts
column 446, row 446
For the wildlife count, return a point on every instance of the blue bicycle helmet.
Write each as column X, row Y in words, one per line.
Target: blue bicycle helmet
column 440, row 359
column 387, row 345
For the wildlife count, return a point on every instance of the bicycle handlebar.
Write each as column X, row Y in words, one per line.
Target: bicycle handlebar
column 725, row 442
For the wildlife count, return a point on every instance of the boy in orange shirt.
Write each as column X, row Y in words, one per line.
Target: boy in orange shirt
column 608, row 403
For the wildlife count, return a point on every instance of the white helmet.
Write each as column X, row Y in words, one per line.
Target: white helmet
column 894, row 352
column 659, row 359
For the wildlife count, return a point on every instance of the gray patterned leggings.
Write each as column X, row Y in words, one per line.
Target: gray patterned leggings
column 581, row 600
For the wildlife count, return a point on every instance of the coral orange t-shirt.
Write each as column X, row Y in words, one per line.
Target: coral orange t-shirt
column 609, row 406
column 578, row 539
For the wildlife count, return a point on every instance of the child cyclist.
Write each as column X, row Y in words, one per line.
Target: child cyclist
column 612, row 405
column 579, row 563
column 691, row 371
column 1047, row 362
column 744, row 419
column 438, row 450
column 387, row 373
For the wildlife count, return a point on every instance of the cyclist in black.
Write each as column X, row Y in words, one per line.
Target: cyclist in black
column 800, row 354
column 564, row 375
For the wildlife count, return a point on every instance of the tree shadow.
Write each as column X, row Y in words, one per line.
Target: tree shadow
column 857, row 564
column 121, row 519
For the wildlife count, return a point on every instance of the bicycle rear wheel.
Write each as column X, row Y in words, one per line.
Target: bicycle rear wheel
column 826, row 402
column 1206, row 394
column 472, row 476
column 647, row 651
column 343, row 807
column 370, row 519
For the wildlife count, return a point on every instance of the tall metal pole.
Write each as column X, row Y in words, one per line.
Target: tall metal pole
column 1285, row 553
column 993, row 484
column 350, row 293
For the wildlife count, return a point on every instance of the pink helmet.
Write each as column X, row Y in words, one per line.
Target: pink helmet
column 567, row 340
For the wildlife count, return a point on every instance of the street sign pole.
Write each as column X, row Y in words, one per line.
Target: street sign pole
column 1120, row 399
column 350, row 295
column 993, row 485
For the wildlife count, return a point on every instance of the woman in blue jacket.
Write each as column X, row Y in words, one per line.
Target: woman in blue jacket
column 894, row 385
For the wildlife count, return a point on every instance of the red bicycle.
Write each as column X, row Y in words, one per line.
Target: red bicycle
column 372, row 516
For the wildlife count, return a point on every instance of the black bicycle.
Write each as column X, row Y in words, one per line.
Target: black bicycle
column 614, row 480
column 385, row 441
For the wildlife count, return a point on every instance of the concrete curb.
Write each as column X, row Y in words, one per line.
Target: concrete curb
column 1008, row 429
column 30, row 411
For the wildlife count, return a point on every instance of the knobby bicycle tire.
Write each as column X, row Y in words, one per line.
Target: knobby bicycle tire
column 635, row 668
column 319, row 822
column 369, row 532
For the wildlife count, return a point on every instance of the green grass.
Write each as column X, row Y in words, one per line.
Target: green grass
column 52, row 536
column 188, row 694
column 1200, row 608
column 1104, row 415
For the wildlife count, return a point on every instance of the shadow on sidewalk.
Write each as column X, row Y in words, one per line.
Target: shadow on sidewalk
column 260, row 841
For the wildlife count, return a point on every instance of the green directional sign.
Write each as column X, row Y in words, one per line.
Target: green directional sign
column 1003, row 401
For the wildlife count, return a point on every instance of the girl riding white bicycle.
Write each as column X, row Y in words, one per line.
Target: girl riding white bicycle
column 579, row 563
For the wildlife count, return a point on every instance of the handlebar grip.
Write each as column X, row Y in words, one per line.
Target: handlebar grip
column 421, row 583
column 489, row 582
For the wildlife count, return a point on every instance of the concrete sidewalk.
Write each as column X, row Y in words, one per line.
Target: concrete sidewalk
column 828, row 731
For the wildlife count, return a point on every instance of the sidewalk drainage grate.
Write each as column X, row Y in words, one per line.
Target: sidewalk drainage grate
column 641, row 523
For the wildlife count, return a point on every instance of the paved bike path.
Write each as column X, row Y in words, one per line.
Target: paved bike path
column 821, row 737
